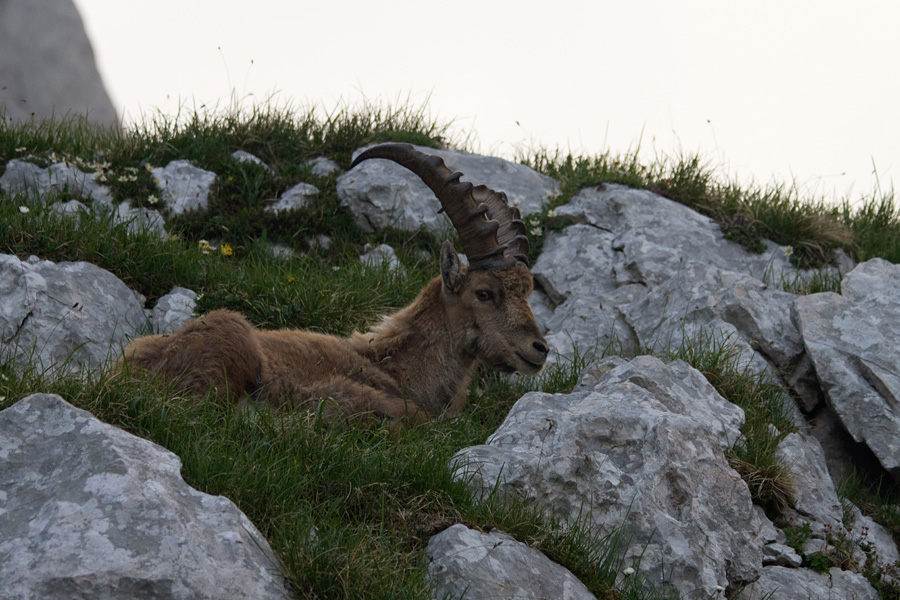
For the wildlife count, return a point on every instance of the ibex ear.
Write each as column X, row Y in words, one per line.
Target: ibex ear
column 451, row 268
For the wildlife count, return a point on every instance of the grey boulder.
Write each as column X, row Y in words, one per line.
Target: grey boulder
column 184, row 187
column 69, row 315
column 638, row 445
column 89, row 511
column 470, row 564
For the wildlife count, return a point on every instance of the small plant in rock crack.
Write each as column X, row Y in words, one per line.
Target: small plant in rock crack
column 797, row 535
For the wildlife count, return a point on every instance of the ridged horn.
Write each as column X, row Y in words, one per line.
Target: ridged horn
column 491, row 231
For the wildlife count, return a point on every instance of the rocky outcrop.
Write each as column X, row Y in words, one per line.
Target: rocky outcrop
column 89, row 511
column 49, row 75
column 853, row 340
column 639, row 445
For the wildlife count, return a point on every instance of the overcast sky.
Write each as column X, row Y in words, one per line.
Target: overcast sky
column 785, row 90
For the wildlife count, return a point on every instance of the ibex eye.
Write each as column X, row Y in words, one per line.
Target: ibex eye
column 484, row 295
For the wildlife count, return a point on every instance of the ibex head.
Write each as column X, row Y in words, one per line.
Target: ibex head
column 486, row 301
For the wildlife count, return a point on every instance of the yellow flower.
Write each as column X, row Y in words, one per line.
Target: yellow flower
column 289, row 278
column 225, row 249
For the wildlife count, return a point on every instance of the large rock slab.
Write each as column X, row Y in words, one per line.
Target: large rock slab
column 655, row 237
column 68, row 315
column 47, row 75
column 700, row 304
column 853, row 339
column 470, row 564
column 816, row 499
column 639, row 444
column 382, row 194
column 802, row 584
column 89, row 511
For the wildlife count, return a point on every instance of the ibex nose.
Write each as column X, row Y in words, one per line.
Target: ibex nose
column 540, row 347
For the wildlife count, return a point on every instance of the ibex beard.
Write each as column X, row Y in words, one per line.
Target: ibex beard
column 412, row 366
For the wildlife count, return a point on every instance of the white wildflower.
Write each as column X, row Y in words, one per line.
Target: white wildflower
column 24, row 210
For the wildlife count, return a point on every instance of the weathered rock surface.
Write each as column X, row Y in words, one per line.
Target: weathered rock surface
column 802, row 584
column 44, row 76
column 174, row 310
column 69, row 315
column 246, row 157
column 293, row 198
column 853, row 339
column 184, row 186
column 816, row 500
column 382, row 194
column 89, row 511
column 381, row 255
column 638, row 445
column 322, row 166
column 26, row 179
column 465, row 563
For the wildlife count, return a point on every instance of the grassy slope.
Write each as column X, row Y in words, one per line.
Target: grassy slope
column 348, row 511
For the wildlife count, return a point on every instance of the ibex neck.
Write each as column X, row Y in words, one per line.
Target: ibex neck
column 418, row 348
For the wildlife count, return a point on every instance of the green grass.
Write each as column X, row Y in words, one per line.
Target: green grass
column 349, row 510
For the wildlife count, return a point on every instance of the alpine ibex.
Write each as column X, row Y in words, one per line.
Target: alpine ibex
column 415, row 364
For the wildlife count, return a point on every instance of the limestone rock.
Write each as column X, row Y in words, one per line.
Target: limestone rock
column 465, row 563
column 140, row 220
column 184, row 187
column 382, row 194
column 376, row 256
column 655, row 237
column 68, row 315
column 244, row 156
column 815, row 497
column 45, row 75
column 174, row 310
column 296, row 197
column 638, row 445
column 853, row 339
column 802, row 584
column 323, row 166
column 27, row 179
column 89, row 511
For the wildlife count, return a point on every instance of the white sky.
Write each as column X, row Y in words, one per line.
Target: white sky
column 804, row 91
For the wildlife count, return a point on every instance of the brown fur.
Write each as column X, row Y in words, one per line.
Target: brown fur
column 414, row 365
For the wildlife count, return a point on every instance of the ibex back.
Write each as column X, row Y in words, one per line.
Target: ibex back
column 415, row 364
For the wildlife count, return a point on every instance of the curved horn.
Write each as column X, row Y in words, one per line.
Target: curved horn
column 491, row 232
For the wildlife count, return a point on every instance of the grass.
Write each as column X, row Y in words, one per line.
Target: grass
column 347, row 510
